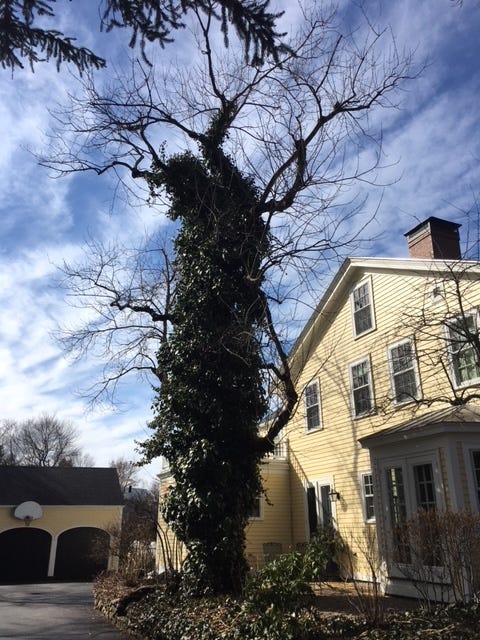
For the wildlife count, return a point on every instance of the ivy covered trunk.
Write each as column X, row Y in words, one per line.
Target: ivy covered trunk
column 212, row 397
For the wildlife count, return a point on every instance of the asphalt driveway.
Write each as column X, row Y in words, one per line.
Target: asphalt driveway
column 52, row 610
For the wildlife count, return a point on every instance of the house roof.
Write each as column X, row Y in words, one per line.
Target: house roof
column 351, row 268
column 60, row 486
column 452, row 418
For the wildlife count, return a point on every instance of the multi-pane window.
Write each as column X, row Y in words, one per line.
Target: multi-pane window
column 462, row 332
column 319, row 506
column 398, row 514
column 367, row 486
column 403, row 372
column 424, row 486
column 476, row 472
column 396, row 495
column 361, row 388
column 427, row 546
column 312, row 406
column 362, row 308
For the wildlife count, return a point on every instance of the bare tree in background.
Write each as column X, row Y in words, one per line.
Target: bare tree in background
column 129, row 290
column 45, row 441
column 127, row 472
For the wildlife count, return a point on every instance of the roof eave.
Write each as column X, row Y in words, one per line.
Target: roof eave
column 351, row 265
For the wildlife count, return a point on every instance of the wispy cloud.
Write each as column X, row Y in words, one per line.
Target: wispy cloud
column 431, row 147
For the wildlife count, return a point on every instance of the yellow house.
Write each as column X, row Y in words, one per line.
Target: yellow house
column 269, row 532
column 54, row 520
column 388, row 421
column 388, row 370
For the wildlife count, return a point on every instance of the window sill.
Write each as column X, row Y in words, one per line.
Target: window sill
column 364, row 415
column 356, row 336
column 469, row 383
column 403, row 403
column 316, row 430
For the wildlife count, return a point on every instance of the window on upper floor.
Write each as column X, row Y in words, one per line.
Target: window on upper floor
column 362, row 308
column 462, row 334
column 368, row 503
column 312, row 406
column 361, row 388
column 403, row 372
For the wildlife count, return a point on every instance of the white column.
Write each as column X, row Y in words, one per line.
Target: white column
column 53, row 555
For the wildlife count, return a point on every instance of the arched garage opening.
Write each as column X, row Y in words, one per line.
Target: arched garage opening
column 24, row 554
column 81, row 553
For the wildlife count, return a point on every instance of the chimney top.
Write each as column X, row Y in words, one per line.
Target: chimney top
column 434, row 238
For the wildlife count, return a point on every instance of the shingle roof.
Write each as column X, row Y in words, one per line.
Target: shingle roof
column 453, row 415
column 60, row 486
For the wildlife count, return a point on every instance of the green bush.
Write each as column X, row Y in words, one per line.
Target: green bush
column 278, row 596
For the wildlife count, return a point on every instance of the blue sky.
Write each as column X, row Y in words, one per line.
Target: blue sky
column 431, row 147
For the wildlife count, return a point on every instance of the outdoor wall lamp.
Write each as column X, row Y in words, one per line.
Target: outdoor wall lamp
column 334, row 495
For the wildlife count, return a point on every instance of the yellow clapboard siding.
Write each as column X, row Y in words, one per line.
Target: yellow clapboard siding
column 334, row 451
column 402, row 292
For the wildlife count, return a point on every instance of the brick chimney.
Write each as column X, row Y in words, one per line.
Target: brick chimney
column 435, row 238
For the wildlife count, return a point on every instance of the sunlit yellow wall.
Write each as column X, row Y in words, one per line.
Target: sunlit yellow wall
column 170, row 553
column 334, row 451
column 57, row 519
column 273, row 526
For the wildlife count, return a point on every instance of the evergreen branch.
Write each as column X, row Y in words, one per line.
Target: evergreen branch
column 18, row 39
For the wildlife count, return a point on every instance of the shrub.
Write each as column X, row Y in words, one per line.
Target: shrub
column 277, row 596
column 444, row 555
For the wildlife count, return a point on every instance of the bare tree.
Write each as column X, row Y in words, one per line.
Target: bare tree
column 291, row 125
column 260, row 154
column 127, row 472
column 129, row 290
column 45, row 441
column 446, row 331
column 8, row 448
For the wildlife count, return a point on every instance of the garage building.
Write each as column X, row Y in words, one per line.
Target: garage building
column 55, row 522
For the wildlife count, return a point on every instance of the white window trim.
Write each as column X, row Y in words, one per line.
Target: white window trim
column 415, row 371
column 368, row 281
column 320, row 426
column 260, row 516
column 316, row 484
column 446, row 332
column 468, row 451
column 370, row 386
column 364, row 496
column 407, row 462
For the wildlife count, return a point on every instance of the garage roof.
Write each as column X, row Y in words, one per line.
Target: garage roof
column 60, row 486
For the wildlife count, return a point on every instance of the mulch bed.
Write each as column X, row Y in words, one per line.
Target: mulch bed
column 341, row 598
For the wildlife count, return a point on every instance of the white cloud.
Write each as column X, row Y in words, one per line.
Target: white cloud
column 433, row 143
